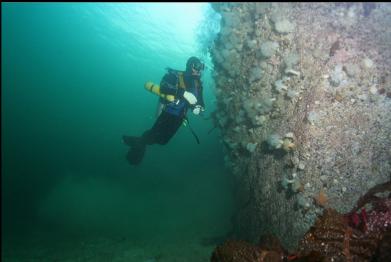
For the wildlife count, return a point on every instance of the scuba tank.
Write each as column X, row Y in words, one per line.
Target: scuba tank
column 155, row 89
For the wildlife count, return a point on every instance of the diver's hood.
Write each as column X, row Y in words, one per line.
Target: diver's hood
column 193, row 61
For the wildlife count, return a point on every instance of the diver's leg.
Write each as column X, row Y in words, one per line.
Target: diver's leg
column 153, row 135
column 138, row 144
column 169, row 129
column 161, row 132
column 149, row 136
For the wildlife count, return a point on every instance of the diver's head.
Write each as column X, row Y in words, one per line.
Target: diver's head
column 194, row 66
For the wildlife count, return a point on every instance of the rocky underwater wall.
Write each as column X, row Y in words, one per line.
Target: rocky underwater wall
column 304, row 107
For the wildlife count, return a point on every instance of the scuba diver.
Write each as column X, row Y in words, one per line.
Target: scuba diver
column 178, row 91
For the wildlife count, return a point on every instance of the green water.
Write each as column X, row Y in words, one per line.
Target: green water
column 72, row 85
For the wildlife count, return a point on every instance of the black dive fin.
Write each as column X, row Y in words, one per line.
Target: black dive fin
column 136, row 154
column 136, row 150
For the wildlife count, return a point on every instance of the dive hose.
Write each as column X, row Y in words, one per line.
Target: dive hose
column 192, row 131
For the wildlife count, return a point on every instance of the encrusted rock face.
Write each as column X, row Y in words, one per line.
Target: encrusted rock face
column 322, row 72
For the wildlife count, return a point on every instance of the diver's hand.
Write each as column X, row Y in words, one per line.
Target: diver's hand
column 190, row 97
column 198, row 109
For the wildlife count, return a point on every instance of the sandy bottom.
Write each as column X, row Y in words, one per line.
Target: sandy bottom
column 41, row 246
column 147, row 218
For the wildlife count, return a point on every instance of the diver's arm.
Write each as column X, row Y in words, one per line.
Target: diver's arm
column 199, row 106
column 200, row 99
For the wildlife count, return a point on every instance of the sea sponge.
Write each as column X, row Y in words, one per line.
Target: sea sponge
column 313, row 117
column 337, row 75
column 251, row 147
column 292, row 94
column 291, row 60
column 295, row 184
column 288, row 145
column 269, row 48
column 284, row 26
column 259, row 120
column 303, row 202
column 252, row 43
column 255, row 106
column 255, row 74
column 274, row 141
column 279, row 85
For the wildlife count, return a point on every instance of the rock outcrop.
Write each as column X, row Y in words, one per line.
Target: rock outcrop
column 320, row 73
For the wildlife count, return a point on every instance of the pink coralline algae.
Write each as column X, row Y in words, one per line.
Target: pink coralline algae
column 357, row 220
column 378, row 219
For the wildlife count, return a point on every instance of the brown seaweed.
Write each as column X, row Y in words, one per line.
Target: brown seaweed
column 370, row 197
column 331, row 238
